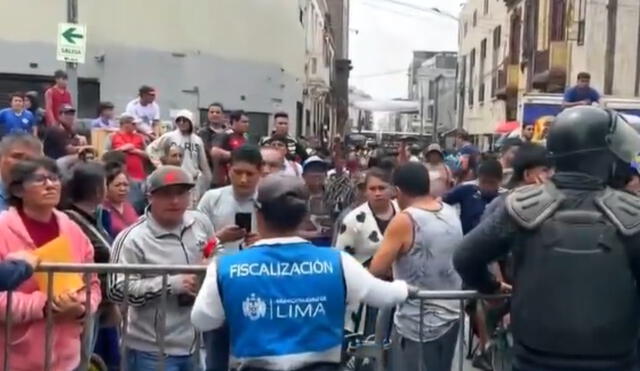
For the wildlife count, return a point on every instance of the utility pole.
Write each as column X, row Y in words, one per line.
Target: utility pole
column 72, row 68
column 436, row 108
column 421, row 111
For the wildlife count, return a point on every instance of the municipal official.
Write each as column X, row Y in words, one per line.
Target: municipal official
column 284, row 299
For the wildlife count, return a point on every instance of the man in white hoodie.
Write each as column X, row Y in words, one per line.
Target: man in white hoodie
column 194, row 159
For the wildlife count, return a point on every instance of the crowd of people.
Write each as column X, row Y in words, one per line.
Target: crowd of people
column 300, row 245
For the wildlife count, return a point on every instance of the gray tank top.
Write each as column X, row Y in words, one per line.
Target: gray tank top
column 428, row 265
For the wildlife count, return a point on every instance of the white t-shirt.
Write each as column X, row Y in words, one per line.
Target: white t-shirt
column 292, row 168
column 145, row 114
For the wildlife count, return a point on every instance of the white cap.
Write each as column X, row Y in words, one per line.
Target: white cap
column 185, row 113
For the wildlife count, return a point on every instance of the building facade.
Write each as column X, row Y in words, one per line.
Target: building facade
column 557, row 39
column 436, row 80
column 483, row 33
column 245, row 54
column 319, row 109
column 359, row 119
column 511, row 48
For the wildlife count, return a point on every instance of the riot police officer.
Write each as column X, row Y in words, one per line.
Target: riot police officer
column 575, row 243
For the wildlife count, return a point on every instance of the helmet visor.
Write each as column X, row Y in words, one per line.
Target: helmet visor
column 624, row 141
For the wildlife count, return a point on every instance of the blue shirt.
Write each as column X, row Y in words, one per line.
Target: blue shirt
column 577, row 94
column 468, row 150
column 472, row 204
column 10, row 122
column 101, row 123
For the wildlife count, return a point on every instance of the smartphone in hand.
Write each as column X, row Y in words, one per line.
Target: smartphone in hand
column 243, row 220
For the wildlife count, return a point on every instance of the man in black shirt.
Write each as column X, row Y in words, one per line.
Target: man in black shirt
column 211, row 134
column 295, row 151
column 61, row 140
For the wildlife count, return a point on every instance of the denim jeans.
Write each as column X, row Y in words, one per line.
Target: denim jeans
column 216, row 345
column 145, row 361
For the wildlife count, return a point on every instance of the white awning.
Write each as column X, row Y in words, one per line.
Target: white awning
column 406, row 106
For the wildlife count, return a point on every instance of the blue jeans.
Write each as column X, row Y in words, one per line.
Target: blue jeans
column 145, row 361
column 216, row 345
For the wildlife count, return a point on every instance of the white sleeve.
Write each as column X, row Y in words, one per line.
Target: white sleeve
column 156, row 114
column 131, row 110
column 362, row 286
column 208, row 313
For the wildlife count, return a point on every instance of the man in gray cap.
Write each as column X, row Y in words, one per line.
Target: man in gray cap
column 167, row 234
column 285, row 289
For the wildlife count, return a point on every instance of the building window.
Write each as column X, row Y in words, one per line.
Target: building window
column 514, row 38
column 497, row 35
column 486, row 7
column 530, row 35
column 582, row 14
column 481, row 72
column 557, row 16
column 475, row 18
column 472, row 67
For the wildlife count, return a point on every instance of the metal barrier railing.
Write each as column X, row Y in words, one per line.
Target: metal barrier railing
column 374, row 351
column 87, row 270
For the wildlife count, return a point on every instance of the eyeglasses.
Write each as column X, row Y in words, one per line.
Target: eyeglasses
column 41, row 179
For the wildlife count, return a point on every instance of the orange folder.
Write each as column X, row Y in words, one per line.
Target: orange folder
column 58, row 250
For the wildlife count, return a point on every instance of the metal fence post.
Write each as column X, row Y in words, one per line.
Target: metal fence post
column 125, row 323
column 461, row 338
column 87, row 320
column 48, row 336
column 162, row 319
column 7, row 330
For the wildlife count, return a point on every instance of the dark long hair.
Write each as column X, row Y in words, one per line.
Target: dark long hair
column 22, row 171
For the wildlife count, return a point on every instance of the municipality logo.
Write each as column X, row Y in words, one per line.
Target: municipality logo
column 254, row 308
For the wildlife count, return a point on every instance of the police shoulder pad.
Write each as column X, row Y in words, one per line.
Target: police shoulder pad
column 622, row 209
column 531, row 205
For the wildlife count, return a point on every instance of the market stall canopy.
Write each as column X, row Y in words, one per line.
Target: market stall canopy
column 406, row 106
column 507, row 127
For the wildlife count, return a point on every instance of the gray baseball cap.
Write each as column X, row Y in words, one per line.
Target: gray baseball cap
column 275, row 186
column 166, row 176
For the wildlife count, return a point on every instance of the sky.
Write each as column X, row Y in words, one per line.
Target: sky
column 383, row 35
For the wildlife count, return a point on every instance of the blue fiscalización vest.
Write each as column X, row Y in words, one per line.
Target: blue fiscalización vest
column 282, row 300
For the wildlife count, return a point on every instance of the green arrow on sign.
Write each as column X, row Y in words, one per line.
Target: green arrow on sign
column 69, row 35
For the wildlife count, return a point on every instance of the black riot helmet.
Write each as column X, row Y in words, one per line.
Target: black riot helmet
column 593, row 141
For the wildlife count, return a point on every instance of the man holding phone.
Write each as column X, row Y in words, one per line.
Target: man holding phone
column 231, row 209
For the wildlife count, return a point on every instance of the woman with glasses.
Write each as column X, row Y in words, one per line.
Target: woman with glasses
column 31, row 222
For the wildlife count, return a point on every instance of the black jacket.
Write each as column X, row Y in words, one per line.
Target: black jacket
column 98, row 236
